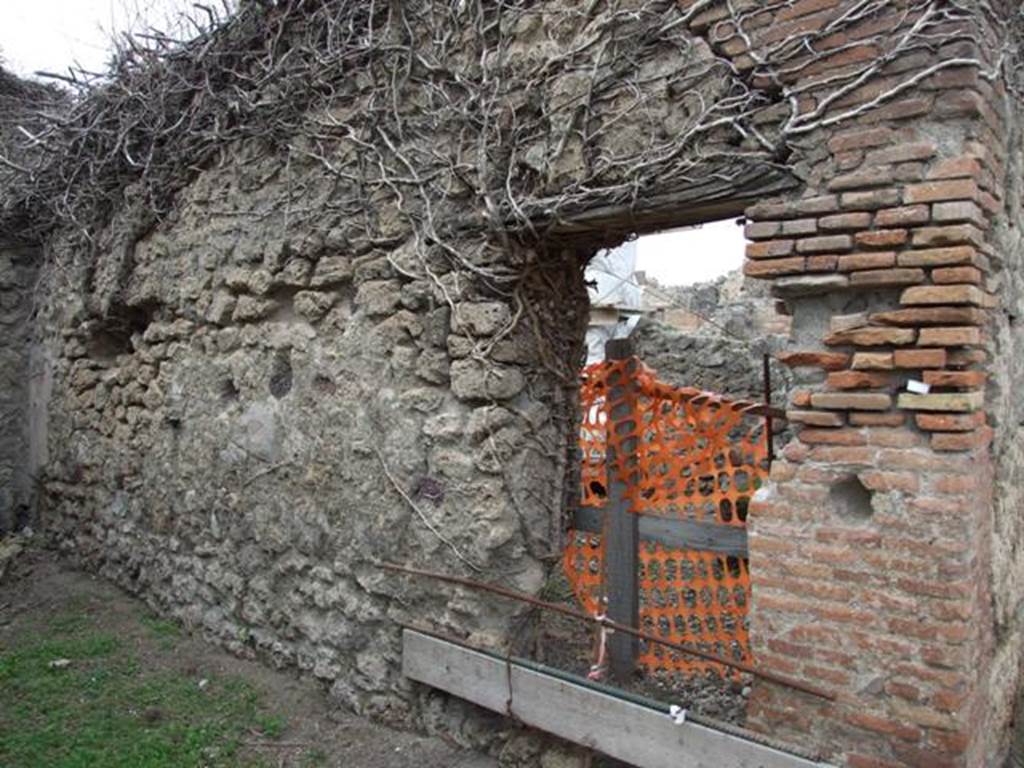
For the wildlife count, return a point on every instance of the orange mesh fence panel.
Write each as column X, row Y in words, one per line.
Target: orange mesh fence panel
column 699, row 457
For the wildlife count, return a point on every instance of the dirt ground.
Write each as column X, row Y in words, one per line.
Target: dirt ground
column 563, row 643
column 38, row 588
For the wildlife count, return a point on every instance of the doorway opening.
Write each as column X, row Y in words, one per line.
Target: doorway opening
column 697, row 448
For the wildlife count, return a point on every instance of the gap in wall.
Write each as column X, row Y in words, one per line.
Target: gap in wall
column 644, row 276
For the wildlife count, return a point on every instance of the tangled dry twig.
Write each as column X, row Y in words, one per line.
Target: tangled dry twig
column 470, row 101
column 481, row 126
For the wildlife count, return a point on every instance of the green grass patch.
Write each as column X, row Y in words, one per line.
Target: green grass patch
column 164, row 631
column 314, row 758
column 104, row 708
column 271, row 726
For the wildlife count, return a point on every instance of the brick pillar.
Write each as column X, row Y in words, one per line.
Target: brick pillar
column 870, row 549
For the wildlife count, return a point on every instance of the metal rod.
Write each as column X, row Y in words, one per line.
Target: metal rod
column 566, row 611
column 769, row 435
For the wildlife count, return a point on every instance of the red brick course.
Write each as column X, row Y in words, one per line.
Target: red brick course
column 888, row 605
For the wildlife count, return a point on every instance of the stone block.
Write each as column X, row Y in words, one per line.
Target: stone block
column 313, row 305
column 251, row 308
column 379, row 297
column 954, row 402
column 472, row 379
column 221, row 308
column 433, row 366
column 809, row 285
column 331, row 271
column 295, row 274
column 481, row 318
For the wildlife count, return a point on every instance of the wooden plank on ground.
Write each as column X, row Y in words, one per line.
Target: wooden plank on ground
column 639, row 735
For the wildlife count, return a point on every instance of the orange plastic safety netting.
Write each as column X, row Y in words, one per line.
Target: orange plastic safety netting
column 681, row 453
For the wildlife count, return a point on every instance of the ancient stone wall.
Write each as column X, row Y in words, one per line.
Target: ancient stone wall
column 18, row 268
column 1005, row 383
column 352, row 335
column 714, row 336
column 264, row 415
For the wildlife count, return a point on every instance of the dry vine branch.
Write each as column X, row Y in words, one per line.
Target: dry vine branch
column 427, row 70
column 464, row 131
column 422, row 515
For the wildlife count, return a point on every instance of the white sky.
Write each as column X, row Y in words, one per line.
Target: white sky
column 694, row 255
column 49, row 35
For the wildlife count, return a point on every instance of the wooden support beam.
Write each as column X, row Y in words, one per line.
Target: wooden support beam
column 671, row 532
column 710, row 198
column 641, row 735
column 621, row 526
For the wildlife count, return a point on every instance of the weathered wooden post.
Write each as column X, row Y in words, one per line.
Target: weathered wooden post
column 621, row 527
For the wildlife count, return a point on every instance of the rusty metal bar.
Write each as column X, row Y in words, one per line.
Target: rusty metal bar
column 769, row 435
column 609, row 624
